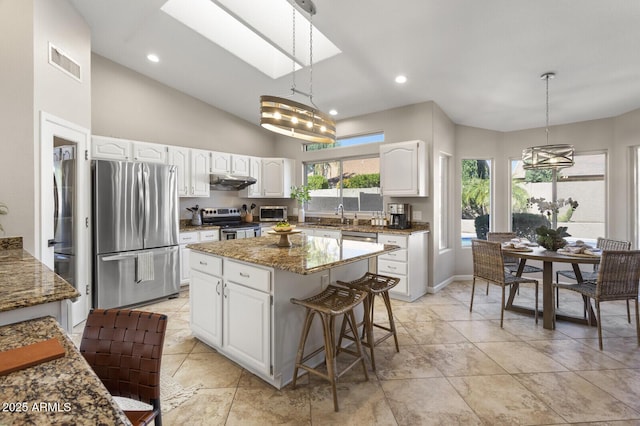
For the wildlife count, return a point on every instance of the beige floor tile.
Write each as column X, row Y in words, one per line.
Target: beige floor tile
column 519, row 357
column 624, row 385
column 207, row 407
column 576, row 399
column 526, row 329
column 267, row 405
column 502, row 400
column 581, row 331
column 483, row 331
column 461, row 359
column 439, row 298
column 427, row 402
column 178, row 320
column 491, row 311
column 178, row 341
column 404, row 337
column 434, row 332
column 414, row 313
column 574, row 355
column 202, row 347
column 455, row 313
column 619, row 325
column 170, row 363
column 166, row 306
column 409, row 363
column 211, row 370
column 361, row 403
column 622, row 349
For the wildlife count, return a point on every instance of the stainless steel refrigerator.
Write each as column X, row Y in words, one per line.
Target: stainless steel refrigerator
column 135, row 226
column 64, row 202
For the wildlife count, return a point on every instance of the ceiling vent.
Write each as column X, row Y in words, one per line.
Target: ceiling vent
column 63, row 62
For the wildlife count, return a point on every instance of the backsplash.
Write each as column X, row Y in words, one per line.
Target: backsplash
column 11, row 243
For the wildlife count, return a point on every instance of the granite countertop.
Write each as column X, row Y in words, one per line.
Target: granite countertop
column 24, row 281
column 307, row 254
column 192, row 228
column 366, row 228
column 76, row 396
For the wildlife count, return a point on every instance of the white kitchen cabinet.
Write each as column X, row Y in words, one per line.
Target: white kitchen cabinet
column 247, row 325
column 220, row 162
column 409, row 264
column 149, row 152
column 255, row 171
column 277, row 174
column 327, row 233
column 200, row 169
column 205, row 294
column 240, row 165
column 192, row 170
column 106, row 148
column 403, row 169
column 190, row 238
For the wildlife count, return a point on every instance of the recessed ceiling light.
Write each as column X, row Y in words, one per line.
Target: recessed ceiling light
column 152, row 57
column 333, row 112
column 401, row 79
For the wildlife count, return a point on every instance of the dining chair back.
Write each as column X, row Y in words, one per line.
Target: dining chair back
column 488, row 265
column 124, row 348
column 618, row 279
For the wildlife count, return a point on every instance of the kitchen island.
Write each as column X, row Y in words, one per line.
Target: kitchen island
column 240, row 295
column 29, row 289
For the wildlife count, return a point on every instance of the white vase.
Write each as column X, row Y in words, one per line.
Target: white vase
column 300, row 215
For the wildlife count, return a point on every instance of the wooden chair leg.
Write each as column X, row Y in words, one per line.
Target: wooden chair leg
column 303, row 339
column 536, row 312
column 637, row 322
column 330, row 354
column 487, row 288
column 599, row 319
column 628, row 312
column 473, row 290
column 392, row 323
column 502, row 308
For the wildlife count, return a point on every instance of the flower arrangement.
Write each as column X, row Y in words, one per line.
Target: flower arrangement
column 551, row 207
column 300, row 193
column 552, row 239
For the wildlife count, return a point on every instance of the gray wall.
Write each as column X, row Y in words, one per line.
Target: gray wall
column 31, row 85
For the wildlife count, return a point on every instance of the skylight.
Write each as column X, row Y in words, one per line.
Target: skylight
column 257, row 31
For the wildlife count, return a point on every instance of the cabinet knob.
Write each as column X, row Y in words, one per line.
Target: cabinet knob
column 203, row 263
column 243, row 275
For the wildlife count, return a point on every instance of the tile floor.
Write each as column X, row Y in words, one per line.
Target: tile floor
column 454, row 367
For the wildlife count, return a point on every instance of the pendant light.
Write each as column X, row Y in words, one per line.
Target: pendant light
column 295, row 119
column 547, row 156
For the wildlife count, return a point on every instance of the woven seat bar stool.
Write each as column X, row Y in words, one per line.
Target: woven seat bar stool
column 374, row 285
column 328, row 305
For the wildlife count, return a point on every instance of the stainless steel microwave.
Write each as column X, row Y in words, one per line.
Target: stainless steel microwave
column 273, row 213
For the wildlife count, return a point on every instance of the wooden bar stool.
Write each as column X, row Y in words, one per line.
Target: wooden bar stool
column 374, row 285
column 328, row 305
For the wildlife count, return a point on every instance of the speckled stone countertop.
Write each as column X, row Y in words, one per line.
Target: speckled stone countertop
column 76, row 396
column 365, row 228
column 24, row 281
column 307, row 254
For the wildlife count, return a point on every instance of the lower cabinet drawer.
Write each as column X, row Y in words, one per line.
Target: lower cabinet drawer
column 205, row 263
column 392, row 267
column 403, row 285
column 213, row 235
column 247, row 275
column 398, row 255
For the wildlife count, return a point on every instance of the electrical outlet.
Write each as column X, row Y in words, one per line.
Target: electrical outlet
column 417, row 215
column 324, row 280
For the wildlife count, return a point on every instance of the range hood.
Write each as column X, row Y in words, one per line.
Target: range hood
column 226, row 182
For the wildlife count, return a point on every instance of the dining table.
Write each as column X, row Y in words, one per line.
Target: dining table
column 548, row 258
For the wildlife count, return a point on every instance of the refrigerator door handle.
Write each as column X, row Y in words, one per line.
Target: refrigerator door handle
column 119, row 257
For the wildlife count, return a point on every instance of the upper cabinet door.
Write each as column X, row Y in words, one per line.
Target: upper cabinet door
column 403, row 169
column 200, row 166
column 276, row 177
column 220, row 162
column 149, row 152
column 179, row 157
column 105, row 148
column 240, row 165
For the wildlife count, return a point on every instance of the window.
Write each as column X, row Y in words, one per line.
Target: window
column 349, row 141
column 354, row 183
column 443, row 211
column 476, row 200
column 584, row 183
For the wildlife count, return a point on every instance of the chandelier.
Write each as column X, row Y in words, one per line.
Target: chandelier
column 288, row 117
column 547, row 156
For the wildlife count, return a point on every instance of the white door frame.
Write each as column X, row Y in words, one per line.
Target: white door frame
column 51, row 126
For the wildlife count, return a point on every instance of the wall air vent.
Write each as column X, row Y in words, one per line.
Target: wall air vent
column 63, row 62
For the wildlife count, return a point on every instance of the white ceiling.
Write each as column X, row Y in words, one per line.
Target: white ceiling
column 480, row 60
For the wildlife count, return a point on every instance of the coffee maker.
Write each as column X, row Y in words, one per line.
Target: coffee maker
column 400, row 215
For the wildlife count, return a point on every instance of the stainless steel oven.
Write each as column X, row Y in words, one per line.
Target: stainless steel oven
column 230, row 223
column 232, row 233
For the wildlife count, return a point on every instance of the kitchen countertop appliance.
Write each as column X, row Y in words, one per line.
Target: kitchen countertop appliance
column 230, row 222
column 400, row 215
column 135, row 233
column 273, row 213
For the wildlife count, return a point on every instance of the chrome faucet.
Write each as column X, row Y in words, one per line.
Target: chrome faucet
column 340, row 209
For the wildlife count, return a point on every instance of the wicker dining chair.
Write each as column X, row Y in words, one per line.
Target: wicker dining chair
column 602, row 244
column 488, row 265
column 124, row 348
column 618, row 278
column 511, row 263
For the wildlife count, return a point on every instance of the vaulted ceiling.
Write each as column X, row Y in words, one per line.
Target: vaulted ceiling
column 479, row 60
